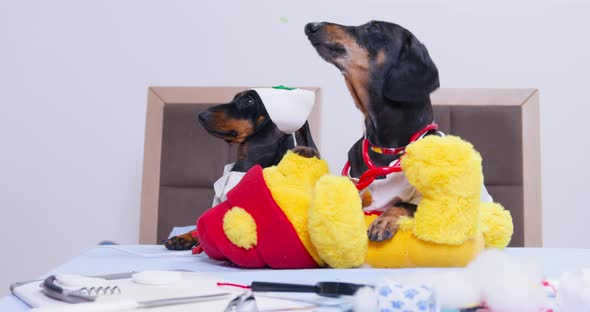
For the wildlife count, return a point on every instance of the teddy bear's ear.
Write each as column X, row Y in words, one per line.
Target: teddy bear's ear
column 240, row 228
column 304, row 137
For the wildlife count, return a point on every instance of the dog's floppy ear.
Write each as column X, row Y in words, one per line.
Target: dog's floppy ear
column 413, row 76
column 303, row 136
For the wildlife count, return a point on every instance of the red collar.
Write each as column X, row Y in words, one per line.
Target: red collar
column 373, row 172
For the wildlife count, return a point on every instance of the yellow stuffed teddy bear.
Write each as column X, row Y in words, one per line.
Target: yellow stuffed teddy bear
column 324, row 213
column 450, row 226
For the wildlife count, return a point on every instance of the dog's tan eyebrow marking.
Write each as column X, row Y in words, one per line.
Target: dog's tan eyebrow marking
column 259, row 120
column 381, row 58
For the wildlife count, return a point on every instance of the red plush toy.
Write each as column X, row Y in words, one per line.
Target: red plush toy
column 274, row 242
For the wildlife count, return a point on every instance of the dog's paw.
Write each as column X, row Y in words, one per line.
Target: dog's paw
column 306, row 151
column 382, row 228
column 181, row 242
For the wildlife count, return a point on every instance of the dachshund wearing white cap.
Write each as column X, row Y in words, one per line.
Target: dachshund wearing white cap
column 265, row 123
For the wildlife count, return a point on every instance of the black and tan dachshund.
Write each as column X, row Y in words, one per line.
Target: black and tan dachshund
column 245, row 121
column 390, row 76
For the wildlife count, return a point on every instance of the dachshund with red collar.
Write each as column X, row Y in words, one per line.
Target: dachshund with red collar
column 390, row 76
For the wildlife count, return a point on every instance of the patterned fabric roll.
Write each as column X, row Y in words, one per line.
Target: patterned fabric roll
column 396, row 297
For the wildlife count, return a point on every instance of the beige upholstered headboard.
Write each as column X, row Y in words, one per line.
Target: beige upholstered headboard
column 181, row 161
column 503, row 125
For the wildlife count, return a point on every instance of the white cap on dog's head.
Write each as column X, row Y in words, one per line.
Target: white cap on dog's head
column 287, row 107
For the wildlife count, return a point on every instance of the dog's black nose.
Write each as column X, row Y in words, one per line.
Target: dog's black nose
column 204, row 116
column 311, row 28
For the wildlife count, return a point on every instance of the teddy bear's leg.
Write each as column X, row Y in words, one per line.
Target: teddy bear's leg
column 336, row 223
column 496, row 225
column 447, row 172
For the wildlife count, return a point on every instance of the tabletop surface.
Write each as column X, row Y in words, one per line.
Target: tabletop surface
column 125, row 258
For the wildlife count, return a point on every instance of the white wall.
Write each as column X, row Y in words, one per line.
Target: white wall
column 74, row 74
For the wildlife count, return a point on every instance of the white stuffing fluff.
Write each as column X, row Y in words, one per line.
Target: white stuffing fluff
column 574, row 291
column 508, row 284
column 505, row 283
column 365, row 299
column 454, row 288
